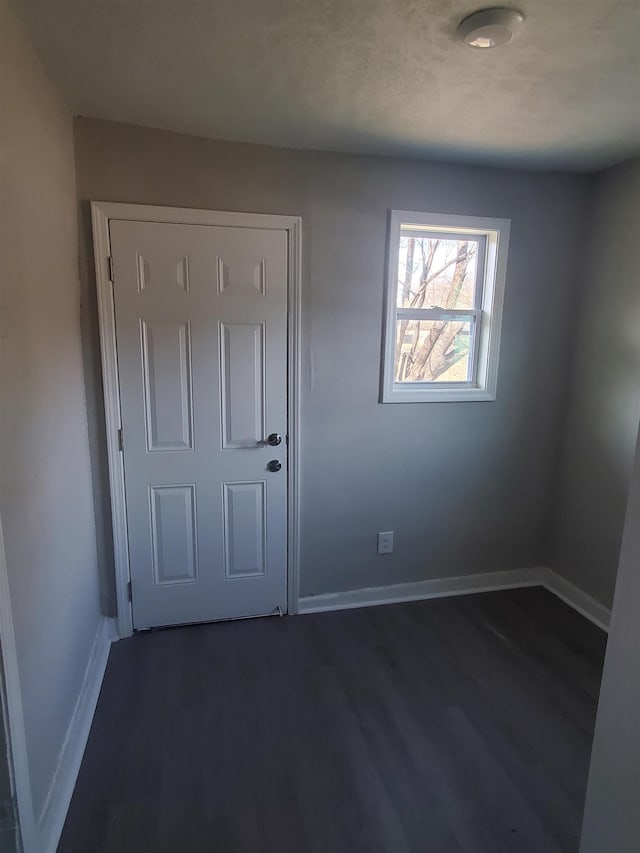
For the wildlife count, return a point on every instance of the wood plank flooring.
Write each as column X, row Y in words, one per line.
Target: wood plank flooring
column 456, row 725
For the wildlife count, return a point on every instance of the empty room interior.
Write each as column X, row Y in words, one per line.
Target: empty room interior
column 320, row 394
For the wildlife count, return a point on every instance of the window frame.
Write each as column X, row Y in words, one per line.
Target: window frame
column 487, row 311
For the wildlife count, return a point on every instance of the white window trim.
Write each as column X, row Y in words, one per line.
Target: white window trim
column 496, row 232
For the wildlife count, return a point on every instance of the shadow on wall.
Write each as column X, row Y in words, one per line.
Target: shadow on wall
column 95, row 413
column 603, row 394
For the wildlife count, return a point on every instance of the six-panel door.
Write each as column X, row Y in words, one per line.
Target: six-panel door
column 201, row 326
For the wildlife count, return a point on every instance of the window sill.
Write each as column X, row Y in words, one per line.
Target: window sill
column 437, row 395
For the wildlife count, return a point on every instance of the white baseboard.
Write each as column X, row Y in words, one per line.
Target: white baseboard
column 49, row 826
column 464, row 585
column 577, row 598
column 438, row 588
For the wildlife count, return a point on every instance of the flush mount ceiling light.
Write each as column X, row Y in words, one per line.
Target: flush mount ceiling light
column 490, row 27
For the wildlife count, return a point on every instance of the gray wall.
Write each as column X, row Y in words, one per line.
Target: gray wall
column 612, row 817
column 45, row 497
column 604, row 401
column 466, row 486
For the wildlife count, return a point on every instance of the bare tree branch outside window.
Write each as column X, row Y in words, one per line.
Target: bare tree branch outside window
column 434, row 273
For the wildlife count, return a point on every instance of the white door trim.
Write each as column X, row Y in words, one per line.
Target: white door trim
column 19, row 758
column 101, row 213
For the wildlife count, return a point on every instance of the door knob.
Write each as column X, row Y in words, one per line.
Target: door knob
column 274, row 439
column 274, row 466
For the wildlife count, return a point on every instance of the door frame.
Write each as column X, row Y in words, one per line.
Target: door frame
column 17, row 755
column 101, row 213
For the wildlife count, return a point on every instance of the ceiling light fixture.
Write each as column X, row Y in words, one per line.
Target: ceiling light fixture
column 490, row 27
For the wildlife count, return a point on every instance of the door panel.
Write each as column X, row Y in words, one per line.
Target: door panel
column 201, row 341
column 242, row 383
column 244, row 511
column 173, row 533
column 166, row 364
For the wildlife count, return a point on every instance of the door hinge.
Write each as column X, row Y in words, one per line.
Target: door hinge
column 110, row 262
column 121, row 440
column 129, row 591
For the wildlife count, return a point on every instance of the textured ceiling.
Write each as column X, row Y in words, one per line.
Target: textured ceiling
column 381, row 76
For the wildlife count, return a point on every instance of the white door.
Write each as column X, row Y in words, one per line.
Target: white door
column 201, row 326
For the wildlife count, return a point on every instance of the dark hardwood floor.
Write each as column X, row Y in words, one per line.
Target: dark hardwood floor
column 456, row 724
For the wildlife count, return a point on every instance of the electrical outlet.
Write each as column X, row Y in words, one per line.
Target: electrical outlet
column 385, row 542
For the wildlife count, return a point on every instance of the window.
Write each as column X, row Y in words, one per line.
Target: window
column 444, row 307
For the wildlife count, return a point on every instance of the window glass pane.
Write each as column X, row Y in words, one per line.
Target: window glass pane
column 433, row 350
column 437, row 273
